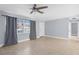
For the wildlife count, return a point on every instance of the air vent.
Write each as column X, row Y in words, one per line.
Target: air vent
column 77, row 20
column 73, row 18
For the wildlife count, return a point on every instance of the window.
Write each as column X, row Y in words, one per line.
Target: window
column 23, row 26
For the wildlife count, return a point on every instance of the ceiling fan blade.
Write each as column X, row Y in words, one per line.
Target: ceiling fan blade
column 42, row 7
column 35, row 5
column 40, row 11
column 31, row 12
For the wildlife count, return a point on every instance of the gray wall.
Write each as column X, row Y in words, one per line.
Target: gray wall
column 57, row 28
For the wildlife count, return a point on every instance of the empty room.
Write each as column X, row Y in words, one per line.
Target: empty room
column 39, row 29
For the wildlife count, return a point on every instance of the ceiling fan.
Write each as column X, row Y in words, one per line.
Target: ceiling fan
column 37, row 9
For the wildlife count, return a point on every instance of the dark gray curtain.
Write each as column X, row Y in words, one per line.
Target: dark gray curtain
column 11, row 31
column 32, row 30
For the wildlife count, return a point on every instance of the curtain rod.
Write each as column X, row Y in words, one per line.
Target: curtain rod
column 15, row 17
column 4, row 15
column 7, row 15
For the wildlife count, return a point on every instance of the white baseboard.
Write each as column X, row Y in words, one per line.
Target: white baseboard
column 57, row 37
column 38, row 36
column 1, row 45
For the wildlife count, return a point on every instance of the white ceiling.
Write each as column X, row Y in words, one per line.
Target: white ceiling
column 54, row 11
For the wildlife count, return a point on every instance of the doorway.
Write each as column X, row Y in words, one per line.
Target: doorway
column 73, row 30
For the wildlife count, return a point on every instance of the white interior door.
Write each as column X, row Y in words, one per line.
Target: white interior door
column 73, row 30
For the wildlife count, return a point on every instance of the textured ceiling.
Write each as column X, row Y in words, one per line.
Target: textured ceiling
column 54, row 11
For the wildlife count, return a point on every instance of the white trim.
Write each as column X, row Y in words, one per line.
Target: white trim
column 38, row 36
column 57, row 37
column 1, row 45
column 69, row 30
column 78, row 29
column 19, row 41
